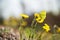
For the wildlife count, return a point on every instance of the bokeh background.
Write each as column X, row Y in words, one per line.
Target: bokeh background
column 13, row 9
column 16, row 7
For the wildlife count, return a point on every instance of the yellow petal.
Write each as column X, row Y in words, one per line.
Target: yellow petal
column 24, row 15
column 46, row 27
column 43, row 14
column 40, row 21
column 36, row 15
column 58, row 30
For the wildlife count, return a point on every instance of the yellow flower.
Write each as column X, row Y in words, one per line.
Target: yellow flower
column 40, row 20
column 37, row 16
column 43, row 16
column 58, row 30
column 24, row 16
column 46, row 27
column 40, row 17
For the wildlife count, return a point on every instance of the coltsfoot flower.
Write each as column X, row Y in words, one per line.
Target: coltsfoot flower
column 24, row 16
column 40, row 17
column 37, row 16
column 46, row 27
column 58, row 30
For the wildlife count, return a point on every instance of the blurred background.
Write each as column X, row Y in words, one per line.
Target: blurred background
column 16, row 7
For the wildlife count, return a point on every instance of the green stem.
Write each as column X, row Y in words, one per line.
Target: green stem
column 35, row 24
column 32, row 23
column 21, row 21
column 39, row 36
column 53, row 35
